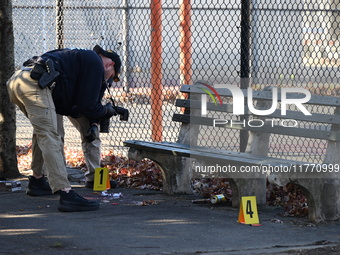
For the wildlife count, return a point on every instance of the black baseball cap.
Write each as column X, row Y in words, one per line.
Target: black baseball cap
column 112, row 55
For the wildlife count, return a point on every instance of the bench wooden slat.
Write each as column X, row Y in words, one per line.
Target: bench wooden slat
column 291, row 131
column 164, row 147
column 210, row 154
column 267, row 95
column 297, row 115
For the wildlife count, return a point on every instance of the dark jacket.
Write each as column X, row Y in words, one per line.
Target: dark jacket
column 81, row 85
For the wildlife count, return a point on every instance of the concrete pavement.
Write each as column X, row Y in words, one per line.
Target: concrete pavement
column 149, row 222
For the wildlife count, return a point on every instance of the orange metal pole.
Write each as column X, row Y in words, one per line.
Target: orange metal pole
column 156, row 71
column 185, row 42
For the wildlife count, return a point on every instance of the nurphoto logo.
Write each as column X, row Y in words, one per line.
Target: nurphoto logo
column 298, row 97
column 204, row 97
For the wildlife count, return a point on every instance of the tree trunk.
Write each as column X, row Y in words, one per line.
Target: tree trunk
column 8, row 157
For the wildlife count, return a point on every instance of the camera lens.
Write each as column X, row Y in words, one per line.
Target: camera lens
column 124, row 113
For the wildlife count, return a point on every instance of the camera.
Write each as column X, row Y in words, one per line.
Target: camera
column 123, row 113
column 105, row 123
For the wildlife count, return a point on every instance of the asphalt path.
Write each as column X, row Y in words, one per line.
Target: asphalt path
column 133, row 221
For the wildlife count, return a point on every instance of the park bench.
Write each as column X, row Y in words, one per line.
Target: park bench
column 248, row 171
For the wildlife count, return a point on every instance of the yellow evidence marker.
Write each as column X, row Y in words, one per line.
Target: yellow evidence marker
column 101, row 179
column 248, row 211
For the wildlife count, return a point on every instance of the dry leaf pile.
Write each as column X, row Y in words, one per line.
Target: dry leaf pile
column 24, row 155
column 129, row 173
column 290, row 197
column 147, row 175
column 74, row 158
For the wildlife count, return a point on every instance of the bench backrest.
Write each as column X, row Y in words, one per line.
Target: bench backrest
column 324, row 123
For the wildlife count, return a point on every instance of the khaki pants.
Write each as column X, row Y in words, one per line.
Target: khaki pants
column 37, row 104
column 92, row 151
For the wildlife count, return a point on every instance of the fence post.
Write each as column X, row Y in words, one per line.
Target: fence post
column 156, row 71
column 185, row 42
column 126, row 46
column 60, row 24
column 245, row 63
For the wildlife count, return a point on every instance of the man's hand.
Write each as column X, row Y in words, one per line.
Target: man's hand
column 92, row 133
column 109, row 111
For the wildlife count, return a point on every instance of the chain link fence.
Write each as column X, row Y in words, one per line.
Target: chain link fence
column 167, row 43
